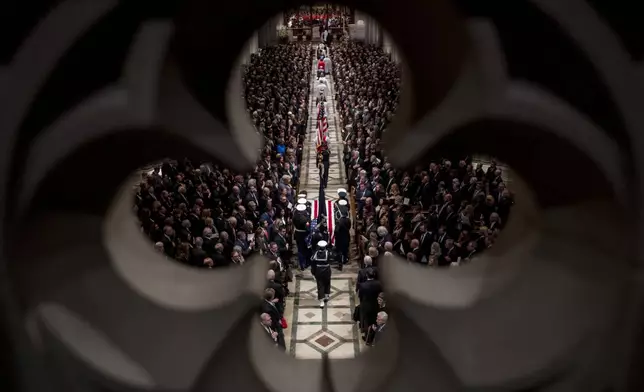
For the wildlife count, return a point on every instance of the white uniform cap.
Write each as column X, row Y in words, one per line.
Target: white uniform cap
column 322, row 244
column 340, row 190
column 301, row 201
column 300, row 207
column 342, row 202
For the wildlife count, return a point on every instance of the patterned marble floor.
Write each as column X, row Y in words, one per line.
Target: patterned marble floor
column 313, row 332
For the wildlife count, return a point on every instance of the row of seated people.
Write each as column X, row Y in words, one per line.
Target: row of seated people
column 207, row 216
column 441, row 214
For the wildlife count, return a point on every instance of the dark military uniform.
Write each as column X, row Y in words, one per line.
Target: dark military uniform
column 322, row 271
column 340, row 211
column 325, row 156
column 301, row 219
column 320, row 234
column 342, row 240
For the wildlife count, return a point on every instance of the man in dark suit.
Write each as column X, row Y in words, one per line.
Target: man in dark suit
column 343, row 239
column 450, row 253
column 425, row 239
column 209, row 240
column 169, row 246
column 379, row 328
column 362, row 274
column 228, row 244
column 442, row 211
column 368, row 293
column 441, row 235
column 198, row 254
column 218, row 256
column 418, row 252
column 282, row 243
column 266, row 322
column 279, row 291
column 185, row 234
column 268, row 306
column 425, row 192
column 354, row 165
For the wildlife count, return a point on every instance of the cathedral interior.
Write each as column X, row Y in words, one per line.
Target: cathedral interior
column 306, row 196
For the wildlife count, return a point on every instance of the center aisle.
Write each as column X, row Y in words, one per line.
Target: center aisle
column 313, row 332
column 311, row 180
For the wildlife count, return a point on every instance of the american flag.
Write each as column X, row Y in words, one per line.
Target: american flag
column 330, row 219
column 322, row 128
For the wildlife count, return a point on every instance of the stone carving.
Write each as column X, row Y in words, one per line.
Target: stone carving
column 546, row 310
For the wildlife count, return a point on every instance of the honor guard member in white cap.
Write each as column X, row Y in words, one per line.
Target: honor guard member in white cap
column 303, row 202
column 342, row 234
column 306, row 203
column 321, row 231
column 322, row 271
column 342, row 195
column 301, row 223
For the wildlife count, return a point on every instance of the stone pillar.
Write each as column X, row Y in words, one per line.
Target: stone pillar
column 377, row 33
column 268, row 33
column 272, row 29
column 279, row 18
column 389, row 47
column 372, row 30
column 261, row 37
column 251, row 47
column 362, row 25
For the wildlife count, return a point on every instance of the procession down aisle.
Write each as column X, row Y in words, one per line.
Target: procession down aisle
column 314, row 332
column 310, row 176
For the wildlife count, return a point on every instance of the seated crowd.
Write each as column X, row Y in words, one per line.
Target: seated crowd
column 208, row 216
column 439, row 215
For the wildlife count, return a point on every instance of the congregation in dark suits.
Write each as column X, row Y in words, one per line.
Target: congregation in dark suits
column 416, row 211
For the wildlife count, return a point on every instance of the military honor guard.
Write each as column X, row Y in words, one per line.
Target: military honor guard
column 301, row 225
column 321, row 268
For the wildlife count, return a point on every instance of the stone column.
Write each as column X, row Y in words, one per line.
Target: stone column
column 251, row 47
column 377, row 33
column 268, row 33
column 373, row 31
column 253, row 44
column 389, row 47
column 271, row 29
column 261, row 40
column 279, row 18
column 369, row 28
